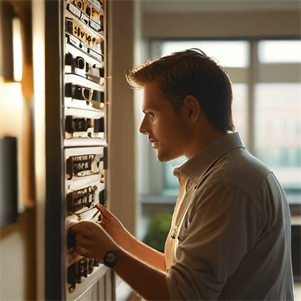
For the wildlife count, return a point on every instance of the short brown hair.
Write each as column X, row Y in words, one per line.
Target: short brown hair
column 190, row 72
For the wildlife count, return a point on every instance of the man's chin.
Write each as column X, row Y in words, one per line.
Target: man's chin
column 165, row 157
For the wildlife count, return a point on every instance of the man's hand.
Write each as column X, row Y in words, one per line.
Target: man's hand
column 91, row 240
column 140, row 266
column 112, row 225
column 128, row 242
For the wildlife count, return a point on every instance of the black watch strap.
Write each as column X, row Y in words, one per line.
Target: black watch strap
column 110, row 258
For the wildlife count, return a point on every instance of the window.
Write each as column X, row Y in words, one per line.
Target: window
column 277, row 112
column 226, row 53
column 266, row 105
column 279, row 52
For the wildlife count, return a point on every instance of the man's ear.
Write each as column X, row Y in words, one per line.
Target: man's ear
column 191, row 108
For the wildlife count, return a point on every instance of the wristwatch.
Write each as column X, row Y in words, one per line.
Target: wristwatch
column 110, row 258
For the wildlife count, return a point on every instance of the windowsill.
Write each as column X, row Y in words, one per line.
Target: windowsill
column 166, row 203
column 296, row 211
column 158, row 199
column 296, row 220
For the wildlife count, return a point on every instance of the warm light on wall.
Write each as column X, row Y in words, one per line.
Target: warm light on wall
column 17, row 49
column 39, row 103
column 38, row 27
column 11, row 109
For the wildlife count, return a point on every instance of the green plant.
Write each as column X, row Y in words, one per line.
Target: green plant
column 158, row 231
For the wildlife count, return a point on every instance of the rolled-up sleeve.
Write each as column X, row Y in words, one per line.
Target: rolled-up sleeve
column 221, row 225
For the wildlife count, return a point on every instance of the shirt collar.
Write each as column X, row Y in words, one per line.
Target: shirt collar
column 197, row 166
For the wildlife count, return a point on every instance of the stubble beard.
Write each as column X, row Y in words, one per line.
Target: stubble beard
column 165, row 157
column 176, row 147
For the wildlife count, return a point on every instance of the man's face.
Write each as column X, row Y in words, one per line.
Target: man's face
column 166, row 130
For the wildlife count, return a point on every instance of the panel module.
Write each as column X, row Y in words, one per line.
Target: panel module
column 84, row 106
column 85, row 134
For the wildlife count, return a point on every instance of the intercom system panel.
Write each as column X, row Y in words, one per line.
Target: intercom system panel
column 85, row 169
column 84, row 100
column 85, row 133
column 85, row 110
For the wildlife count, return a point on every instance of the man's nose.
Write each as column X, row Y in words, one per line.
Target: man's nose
column 143, row 127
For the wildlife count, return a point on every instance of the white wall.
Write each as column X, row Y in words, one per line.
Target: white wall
column 121, row 169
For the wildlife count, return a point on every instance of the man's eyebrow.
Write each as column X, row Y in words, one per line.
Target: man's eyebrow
column 145, row 111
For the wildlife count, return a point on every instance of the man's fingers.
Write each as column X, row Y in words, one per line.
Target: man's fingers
column 104, row 225
column 100, row 208
column 84, row 228
column 82, row 251
column 105, row 214
column 83, row 242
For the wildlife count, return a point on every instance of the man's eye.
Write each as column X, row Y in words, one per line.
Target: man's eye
column 152, row 115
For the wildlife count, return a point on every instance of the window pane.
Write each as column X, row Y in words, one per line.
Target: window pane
column 171, row 183
column 239, row 110
column 277, row 133
column 225, row 53
column 279, row 52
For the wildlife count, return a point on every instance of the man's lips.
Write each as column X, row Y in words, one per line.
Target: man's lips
column 155, row 144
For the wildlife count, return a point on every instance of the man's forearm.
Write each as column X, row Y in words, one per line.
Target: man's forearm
column 147, row 281
column 142, row 251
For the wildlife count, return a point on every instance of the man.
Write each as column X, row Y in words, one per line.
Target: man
column 230, row 233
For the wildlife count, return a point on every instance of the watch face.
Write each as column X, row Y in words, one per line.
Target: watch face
column 110, row 258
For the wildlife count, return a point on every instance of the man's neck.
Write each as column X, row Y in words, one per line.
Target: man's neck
column 203, row 139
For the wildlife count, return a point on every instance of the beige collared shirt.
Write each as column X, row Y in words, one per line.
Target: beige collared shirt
column 231, row 229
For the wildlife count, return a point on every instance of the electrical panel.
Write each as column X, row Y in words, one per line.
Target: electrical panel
column 84, row 133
